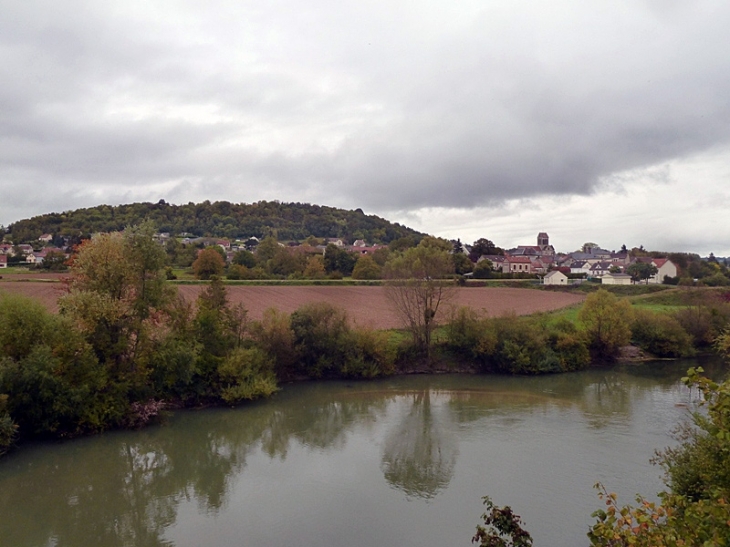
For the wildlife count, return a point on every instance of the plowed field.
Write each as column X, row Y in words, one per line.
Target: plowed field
column 367, row 306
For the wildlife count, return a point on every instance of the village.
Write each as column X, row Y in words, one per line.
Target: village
column 539, row 261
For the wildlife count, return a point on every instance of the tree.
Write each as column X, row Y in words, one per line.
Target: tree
column 418, row 286
column 641, row 271
column 208, row 264
column 607, row 322
column 314, row 268
column 366, row 268
column 462, row 264
column 483, row 246
column 54, row 261
column 244, row 258
column 116, row 287
column 483, row 269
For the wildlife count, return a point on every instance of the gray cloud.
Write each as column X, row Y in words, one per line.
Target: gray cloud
column 378, row 105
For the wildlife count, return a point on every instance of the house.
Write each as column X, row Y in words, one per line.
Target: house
column 335, row 241
column 580, row 267
column 359, row 243
column 3, row 261
column 538, row 265
column 46, row 238
column 556, row 277
column 665, row 267
column 517, row 264
column 599, row 269
column 616, row 279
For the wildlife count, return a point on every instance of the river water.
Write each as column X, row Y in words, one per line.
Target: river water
column 399, row 462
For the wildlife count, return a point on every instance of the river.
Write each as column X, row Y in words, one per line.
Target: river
column 398, row 462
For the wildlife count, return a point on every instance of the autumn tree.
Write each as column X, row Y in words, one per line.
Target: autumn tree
column 208, row 264
column 314, row 268
column 417, row 286
column 115, row 289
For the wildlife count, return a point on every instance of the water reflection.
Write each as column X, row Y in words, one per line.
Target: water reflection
column 127, row 488
column 420, row 451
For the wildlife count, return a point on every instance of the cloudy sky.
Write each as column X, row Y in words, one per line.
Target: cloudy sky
column 605, row 121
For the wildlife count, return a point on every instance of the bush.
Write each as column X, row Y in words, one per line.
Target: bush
column 660, row 334
column 246, row 374
column 370, row 355
column 607, row 323
column 24, row 323
column 569, row 346
column 274, row 335
column 321, row 337
column 463, row 331
column 705, row 317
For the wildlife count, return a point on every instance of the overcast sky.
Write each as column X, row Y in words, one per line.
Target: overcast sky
column 604, row 121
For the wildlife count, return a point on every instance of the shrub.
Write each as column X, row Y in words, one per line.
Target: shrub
column 607, row 323
column 246, row 374
column 463, row 331
column 660, row 334
column 569, row 346
column 705, row 317
column 370, row 355
column 321, row 337
column 24, row 323
column 274, row 335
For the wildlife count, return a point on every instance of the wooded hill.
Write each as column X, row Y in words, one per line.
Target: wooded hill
column 285, row 221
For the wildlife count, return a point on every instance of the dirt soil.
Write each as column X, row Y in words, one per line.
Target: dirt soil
column 366, row 306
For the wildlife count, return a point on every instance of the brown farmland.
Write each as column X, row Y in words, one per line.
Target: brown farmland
column 367, row 306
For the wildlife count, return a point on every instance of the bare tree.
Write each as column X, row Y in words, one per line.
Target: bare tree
column 418, row 284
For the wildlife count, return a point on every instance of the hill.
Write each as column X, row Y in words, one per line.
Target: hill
column 285, row 221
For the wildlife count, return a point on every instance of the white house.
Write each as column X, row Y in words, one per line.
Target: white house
column 555, row 277
column 664, row 267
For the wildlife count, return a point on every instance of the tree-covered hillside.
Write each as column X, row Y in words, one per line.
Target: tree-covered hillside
column 285, row 221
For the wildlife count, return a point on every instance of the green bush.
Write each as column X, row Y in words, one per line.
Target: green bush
column 24, row 323
column 569, row 346
column 321, row 338
column 660, row 334
column 370, row 355
column 273, row 334
column 246, row 374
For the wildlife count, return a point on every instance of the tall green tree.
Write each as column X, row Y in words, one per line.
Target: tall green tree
column 641, row 271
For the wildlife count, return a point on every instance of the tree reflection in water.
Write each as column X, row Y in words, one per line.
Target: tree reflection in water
column 420, row 452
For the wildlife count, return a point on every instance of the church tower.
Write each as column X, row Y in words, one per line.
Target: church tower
column 543, row 240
